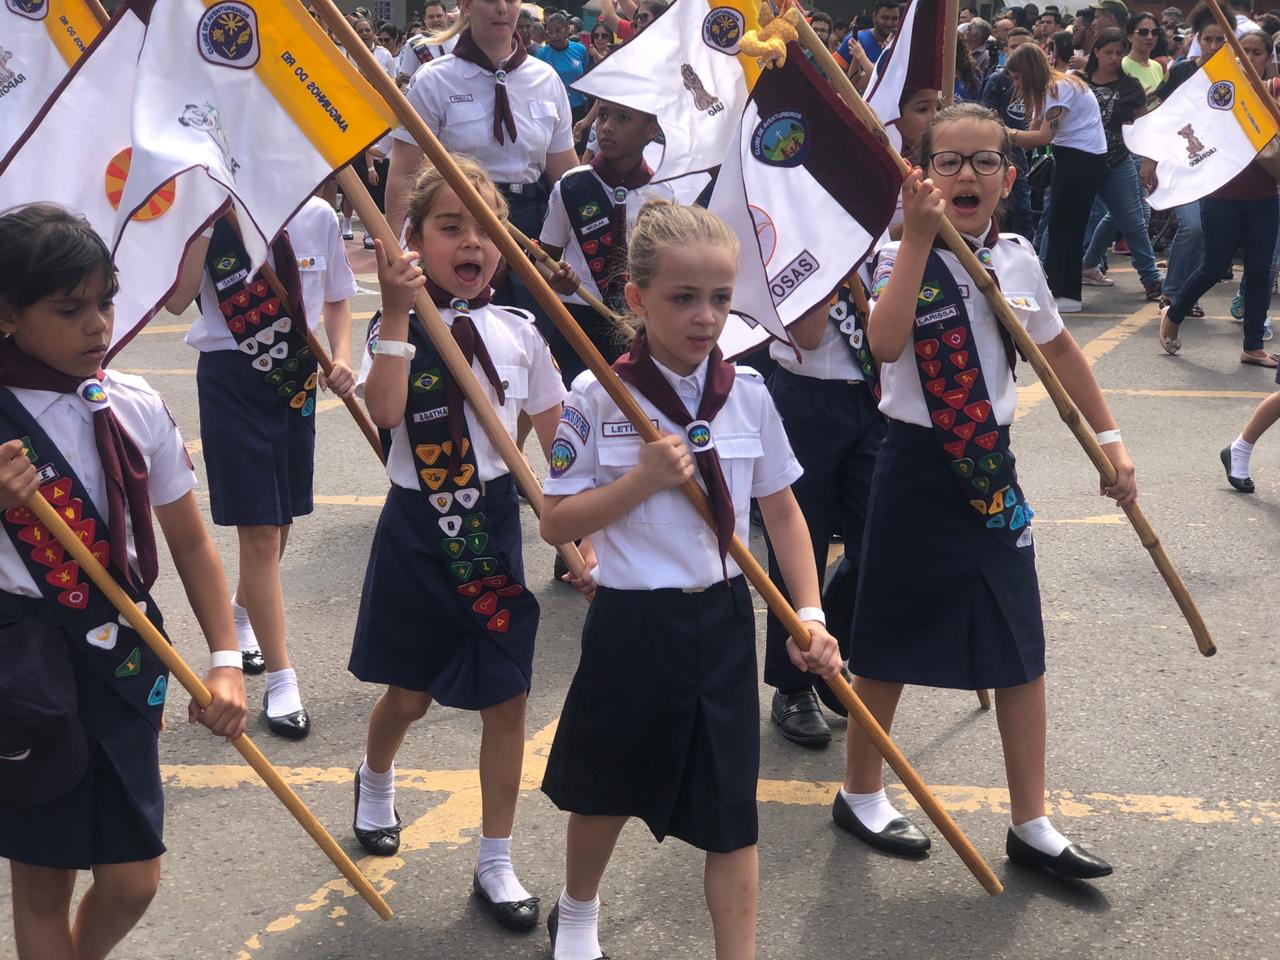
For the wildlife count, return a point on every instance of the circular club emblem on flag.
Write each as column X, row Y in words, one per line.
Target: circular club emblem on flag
column 699, row 434
column 781, row 139
column 562, row 456
column 722, row 28
column 31, row 9
column 1222, row 95
column 113, row 182
column 92, row 393
column 228, row 35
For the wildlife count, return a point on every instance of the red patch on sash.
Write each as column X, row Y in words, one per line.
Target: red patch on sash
column 607, row 239
column 241, row 299
column 236, row 324
column 944, row 418
column 253, row 316
column 50, row 555
column 596, row 265
column 486, row 605
column 72, row 511
column 960, row 359
column 36, row 535
column 77, row 598
column 590, row 248
column 101, row 552
column 271, row 307
column 260, row 289
column 964, row 431
column 928, row 349
column 20, row 515
column 227, row 307
column 936, row 386
column 955, row 448
column 65, row 575
column 955, row 399
column 931, row 368
column 955, row 338
column 499, row 622
column 56, row 492
column 987, row 441
column 979, row 410
column 494, row 582
column 471, row 589
column 512, row 591
column 967, row 378
column 85, row 530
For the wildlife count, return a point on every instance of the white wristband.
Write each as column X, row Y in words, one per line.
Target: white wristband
column 395, row 348
column 226, row 658
column 812, row 613
column 1107, row 436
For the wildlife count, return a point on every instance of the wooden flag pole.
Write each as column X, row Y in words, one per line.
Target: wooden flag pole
column 53, row 521
column 535, row 250
column 950, row 30
column 99, row 12
column 1027, row 347
column 376, row 224
column 1255, row 81
column 528, row 272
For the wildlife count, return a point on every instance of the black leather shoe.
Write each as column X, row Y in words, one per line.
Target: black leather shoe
column 519, row 915
column 900, row 837
column 799, row 717
column 1245, row 485
column 1074, row 863
column 553, row 923
column 254, row 663
column 828, row 696
column 292, row 726
column 383, row 842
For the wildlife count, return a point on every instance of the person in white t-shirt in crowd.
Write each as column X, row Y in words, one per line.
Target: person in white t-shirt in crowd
column 1061, row 111
column 419, row 50
column 369, row 36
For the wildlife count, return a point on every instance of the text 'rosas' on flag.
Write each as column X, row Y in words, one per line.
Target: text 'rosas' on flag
column 1205, row 133
column 39, row 42
column 808, row 189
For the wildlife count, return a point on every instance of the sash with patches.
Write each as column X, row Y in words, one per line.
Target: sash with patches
column 852, row 327
column 959, row 403
column 271, row 335
column 99, row 634
column 499, row 601
column 595, row 215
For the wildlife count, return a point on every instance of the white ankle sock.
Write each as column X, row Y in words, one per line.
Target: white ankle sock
column 873, row 810
column 377, row 798
column 346, row 224
column 1241, row 451
column 1041, row 835
column 282, row 693
column 494, row 870
column 577, row 936
column 244, row 629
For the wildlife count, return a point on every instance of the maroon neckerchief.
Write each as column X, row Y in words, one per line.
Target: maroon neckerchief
column 639, row 369
column 619, row 187
column 467, row 49
column 123, row 465
column 472, row 346
column 988, row 263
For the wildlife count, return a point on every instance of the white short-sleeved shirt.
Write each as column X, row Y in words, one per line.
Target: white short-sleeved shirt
column 322, row 264
column 829, row 360
column 68, row 421
column 1081, row 125
column 409, row 62
column 1023, row 283
column 456, row 99
column 663, row 542
column 386, row 60
column 523, row 362
column 557, row 231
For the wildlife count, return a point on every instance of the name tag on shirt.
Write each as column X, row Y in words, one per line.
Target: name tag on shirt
column 613, row 429
column 461, row 98
column 1022, row 301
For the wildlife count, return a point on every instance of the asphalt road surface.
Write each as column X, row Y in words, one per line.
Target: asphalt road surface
column 1162, row 761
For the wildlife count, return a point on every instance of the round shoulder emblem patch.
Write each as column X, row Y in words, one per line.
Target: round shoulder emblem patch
column 1222, row 95
column 227, row 35
column 722, row 29
column 781, row 139
column 563, row 455
column 31, row 9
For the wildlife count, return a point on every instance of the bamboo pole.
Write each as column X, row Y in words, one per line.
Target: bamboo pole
column 376, row 224
column 1027, row 347
column 51, row 519
column 1255, row 81
column 618, row 393
column 950, row 29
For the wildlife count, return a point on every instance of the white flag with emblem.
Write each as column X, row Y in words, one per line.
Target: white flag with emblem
column 39, row 42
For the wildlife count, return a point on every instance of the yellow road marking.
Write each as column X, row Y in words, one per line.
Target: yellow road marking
column 160, row 371
column 343, row 501
column 152, row 329
column 1193, row 394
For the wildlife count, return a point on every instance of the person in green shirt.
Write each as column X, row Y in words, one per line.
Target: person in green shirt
column 1143, row 33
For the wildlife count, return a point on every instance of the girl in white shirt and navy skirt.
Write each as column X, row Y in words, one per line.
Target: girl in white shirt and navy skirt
column 661, row 722
column 445, row 615
column 949, row 595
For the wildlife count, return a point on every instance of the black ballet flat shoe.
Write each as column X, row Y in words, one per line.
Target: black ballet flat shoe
column 799, row 718
column 292, row 726
column 1074, row 863
column 900, row 837
column 518, row 915
column 383, row 842
column 828, row 696
column 254, row 663
column 553, row 924
column 1245, row 485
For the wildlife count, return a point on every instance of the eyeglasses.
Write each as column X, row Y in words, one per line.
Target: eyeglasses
column 986, row 163
column 1146, row 31
column 600, row 36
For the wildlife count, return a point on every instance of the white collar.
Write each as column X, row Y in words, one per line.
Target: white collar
column 695, row 379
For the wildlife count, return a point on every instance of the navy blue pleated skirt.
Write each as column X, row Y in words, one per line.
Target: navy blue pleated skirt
column 414, row 631
column 941, row 600
column 259, row 452
column 662, row 720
